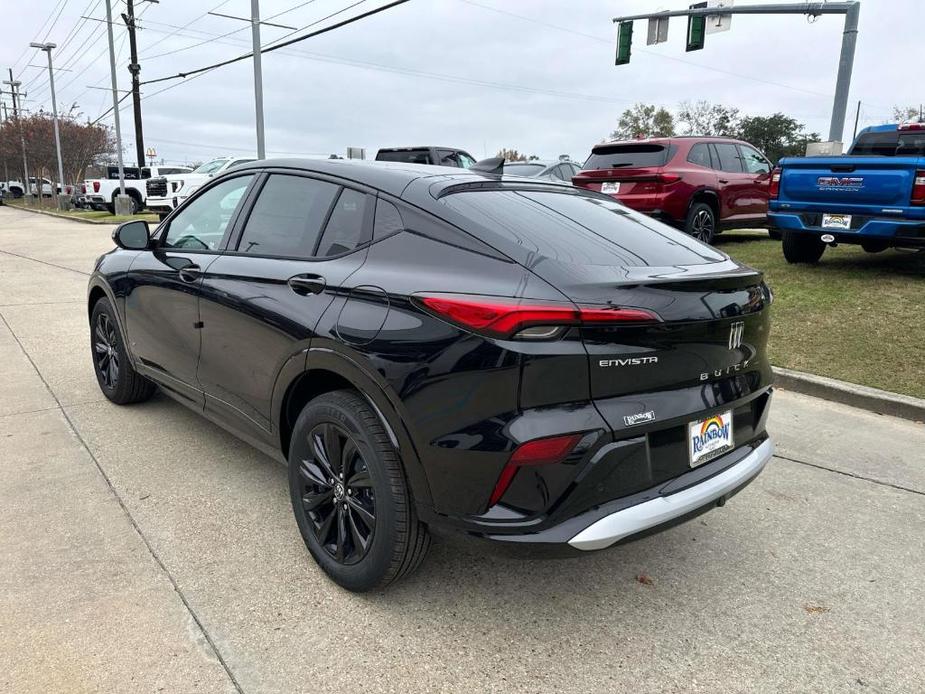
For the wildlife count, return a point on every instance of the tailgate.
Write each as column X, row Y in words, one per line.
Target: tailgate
column 839, row 181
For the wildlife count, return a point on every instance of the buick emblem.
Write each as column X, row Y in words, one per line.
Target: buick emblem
column 736, row 332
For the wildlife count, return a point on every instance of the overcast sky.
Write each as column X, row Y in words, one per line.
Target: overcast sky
column 535, row 75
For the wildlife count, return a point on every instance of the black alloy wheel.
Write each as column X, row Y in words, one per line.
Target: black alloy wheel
column 105, row 352
column 114, row 371
column 338, row 496
column 701, row 222
column 349, row 495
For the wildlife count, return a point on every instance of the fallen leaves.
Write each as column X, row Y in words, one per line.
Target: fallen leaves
column 816, row 609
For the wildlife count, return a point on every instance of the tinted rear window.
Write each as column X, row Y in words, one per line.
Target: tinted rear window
column 412, row 156
column 890, row 143
column 629, row 155
column 523, row 169
column 577, row 228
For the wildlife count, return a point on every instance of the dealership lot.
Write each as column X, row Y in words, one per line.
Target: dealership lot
column 143, row 549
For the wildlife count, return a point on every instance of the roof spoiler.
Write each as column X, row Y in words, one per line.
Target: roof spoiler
column 492, row 165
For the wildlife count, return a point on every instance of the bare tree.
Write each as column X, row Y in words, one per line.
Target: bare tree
column 644, row 120
column 704, row 118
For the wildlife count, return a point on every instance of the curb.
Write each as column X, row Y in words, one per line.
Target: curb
column 97, row 222
column 863, row 397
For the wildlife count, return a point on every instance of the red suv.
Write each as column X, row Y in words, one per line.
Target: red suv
column 700, row 184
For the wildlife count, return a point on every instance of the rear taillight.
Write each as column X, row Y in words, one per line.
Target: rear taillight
column 774, row 189
column 552, row 449
column 508, row 319
column 96, row 186
column 668, row 178
column 918, row 188
column 83, row 188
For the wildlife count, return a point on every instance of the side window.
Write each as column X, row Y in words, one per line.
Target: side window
column 465, row 160
column 700, row 155
column 447, row 157
column 728, row 157
column 238, row 162
column 388, row 219
column 201, row 225
column 754, row 161
column 287, row 217
column 146, row 173
column 346, row 229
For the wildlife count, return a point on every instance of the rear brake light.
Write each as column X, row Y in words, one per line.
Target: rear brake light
column 83, row 188
column 911, row 126
column 668, row 178
column 96, row 186
column 507, row 318
column 552, row 449
column 918, row 188
column 774, row 190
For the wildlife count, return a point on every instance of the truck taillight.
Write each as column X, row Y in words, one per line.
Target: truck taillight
column 96, row 186
column 774, row 190
column 83, row 188
column 918, row 188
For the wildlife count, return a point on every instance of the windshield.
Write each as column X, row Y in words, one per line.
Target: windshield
column 518, row 169
column 890, row 143
column 210, row 166
column 628, row 155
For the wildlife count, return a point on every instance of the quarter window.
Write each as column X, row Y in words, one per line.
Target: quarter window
column 201, row 225
column 700, row 155
column 388, row 219
column 346, row 229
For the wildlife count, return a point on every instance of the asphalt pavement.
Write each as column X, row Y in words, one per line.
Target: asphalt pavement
column 142, row 549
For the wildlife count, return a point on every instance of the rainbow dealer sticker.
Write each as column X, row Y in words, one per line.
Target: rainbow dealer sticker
column 710, row 437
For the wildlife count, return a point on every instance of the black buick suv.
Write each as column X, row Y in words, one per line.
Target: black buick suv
column 518, row 360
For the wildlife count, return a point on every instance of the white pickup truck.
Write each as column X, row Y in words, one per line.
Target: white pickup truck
column 100, row 193
column 166, row 193
column 15, row 189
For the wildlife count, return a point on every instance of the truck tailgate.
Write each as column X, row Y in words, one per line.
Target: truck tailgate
column 839, row 182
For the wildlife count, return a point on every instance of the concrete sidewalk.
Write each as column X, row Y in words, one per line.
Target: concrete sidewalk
column 143, row 549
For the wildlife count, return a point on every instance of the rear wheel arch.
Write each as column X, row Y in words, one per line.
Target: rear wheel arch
column 330, row 372
column 708, row 196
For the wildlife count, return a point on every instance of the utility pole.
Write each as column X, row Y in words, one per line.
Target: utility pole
column 258, row 76
column 701, row 12
column 61, row 197
column 14, row 93
column 122, row 203
column 134, row 68
column 258, row 70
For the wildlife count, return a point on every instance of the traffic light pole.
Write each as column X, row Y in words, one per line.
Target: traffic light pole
column 851, row 10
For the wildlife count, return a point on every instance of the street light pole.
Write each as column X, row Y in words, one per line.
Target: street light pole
column 122, row 204
column 47, row 47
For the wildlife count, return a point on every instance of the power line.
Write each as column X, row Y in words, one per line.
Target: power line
column 37, row 34
column 283, row 44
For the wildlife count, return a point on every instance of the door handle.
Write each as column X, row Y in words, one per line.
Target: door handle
column 191, row 273
column 307, row 284
column 723, row 180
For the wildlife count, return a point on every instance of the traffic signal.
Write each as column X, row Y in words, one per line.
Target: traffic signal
column 696, row 28
column 624, row 43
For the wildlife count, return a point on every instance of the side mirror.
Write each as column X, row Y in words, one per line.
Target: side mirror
column 132, row 236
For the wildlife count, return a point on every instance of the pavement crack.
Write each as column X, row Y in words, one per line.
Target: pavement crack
column 881, row 483
column 128, row 514
column 45, row 262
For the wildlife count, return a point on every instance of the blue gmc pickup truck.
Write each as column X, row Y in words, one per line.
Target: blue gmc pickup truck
column 873, row 196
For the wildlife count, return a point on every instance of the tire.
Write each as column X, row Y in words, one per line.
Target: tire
column 161, row 216
column 774, row 234
column 111, row 209
column 332, row 508
column 802, row 248
column 701, row 222
column 137, row 205
column 114, row 372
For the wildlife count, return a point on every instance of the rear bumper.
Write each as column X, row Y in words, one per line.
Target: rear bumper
column 906, row 232
column 647, row 515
